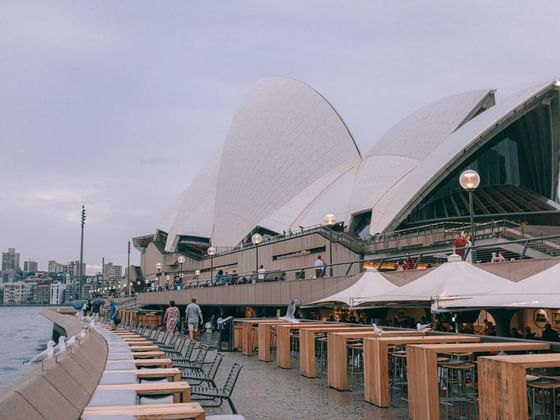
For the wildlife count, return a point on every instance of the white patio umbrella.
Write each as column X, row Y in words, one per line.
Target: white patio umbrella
column 369, row 283
column 452, row 281
column 541, row 290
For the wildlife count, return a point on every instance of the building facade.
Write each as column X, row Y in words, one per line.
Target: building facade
column 30, row 266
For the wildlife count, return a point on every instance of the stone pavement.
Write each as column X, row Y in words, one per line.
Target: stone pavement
column 265, row 391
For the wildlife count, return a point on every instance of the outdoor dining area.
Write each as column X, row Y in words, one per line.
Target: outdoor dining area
column 431, row 374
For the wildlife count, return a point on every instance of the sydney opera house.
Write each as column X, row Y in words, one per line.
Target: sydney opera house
column 289, row 159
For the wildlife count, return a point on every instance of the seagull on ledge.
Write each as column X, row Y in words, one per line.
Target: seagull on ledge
column 44, row 355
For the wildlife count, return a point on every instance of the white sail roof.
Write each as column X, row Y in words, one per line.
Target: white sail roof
column 541, row 290
column 452, row 280
column 370, row 283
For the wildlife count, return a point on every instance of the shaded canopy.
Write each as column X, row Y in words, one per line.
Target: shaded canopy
column 448, row 282
column 369, row 283
column 541, row 290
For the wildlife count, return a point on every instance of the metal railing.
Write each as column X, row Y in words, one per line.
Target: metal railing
column 527, row 248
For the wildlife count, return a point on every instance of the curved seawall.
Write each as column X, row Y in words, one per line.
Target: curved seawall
column 61, row 387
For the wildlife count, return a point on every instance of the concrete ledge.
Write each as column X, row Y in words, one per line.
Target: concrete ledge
column 60, row 388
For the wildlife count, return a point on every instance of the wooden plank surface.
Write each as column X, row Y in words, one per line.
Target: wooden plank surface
column 423, row 390
column 147, row 354
column 151, row 347
column 181, row 390
column 163, row 363
column 172, row 374
column 152, row 411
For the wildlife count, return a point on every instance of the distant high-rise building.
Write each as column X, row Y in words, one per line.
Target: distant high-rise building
column 30, row 266
column 55, row 267
column 10, row 260
column 57, row 293
column 112, row 272
column 73, row 268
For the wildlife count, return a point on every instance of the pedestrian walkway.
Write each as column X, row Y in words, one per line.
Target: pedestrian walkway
column 265, row 391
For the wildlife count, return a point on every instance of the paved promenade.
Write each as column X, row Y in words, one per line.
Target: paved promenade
column 265, row 391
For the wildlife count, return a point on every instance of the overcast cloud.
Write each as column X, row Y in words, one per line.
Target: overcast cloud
column 116, row 105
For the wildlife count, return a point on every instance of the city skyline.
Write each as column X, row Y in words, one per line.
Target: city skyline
column 118, row 111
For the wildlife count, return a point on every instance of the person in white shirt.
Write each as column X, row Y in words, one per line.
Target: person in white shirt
column 261, row 273
column 319, row 266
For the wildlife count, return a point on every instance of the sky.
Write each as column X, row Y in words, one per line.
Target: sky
column 116, row 105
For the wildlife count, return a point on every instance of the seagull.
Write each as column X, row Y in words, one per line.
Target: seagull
column 61, row 346
column 71, row 342
column 376, row 330
column 423, row 327
column 44, row 355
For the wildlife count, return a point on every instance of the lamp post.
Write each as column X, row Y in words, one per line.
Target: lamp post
column 469, row 181
column 329, row 220
column 181, row 261
column 256, row 239
column 211, row 252
column 80, row 281
column 167, row 280
column 158, row 275
column 128, row 270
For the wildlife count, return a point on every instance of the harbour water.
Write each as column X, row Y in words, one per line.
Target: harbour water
column 23, row 333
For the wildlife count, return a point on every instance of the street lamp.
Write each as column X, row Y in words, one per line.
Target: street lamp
column 181, row 261
column 469, row 181
column 158, row 275
column 330, row 220
column 256, row 239
column 167, row 280
column 211, row 252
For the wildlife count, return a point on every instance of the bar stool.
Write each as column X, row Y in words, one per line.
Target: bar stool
column 398, row 379
column 321, row 353
column 542, row 398
column 294, row 345
column 356, row 358
column 458, row 388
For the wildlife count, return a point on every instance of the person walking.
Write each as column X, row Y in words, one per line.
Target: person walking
column 193, row 315
column 171, row 317
column 319, row 266
column 113, row 316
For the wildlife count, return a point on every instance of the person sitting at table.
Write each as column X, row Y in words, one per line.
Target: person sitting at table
column 529, row 335
column 515, row 333
column 549, row 334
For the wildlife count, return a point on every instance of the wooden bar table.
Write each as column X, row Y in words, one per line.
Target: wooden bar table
column 150, row 363
column 283, row 343
column 376, row 361
column 247, row 332
column 307, row 360
column 337, row 353
column 265, row 340
column 502, row 384
column 423, row 389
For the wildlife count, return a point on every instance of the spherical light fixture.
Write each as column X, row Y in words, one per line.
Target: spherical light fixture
column 197, row 273
column 211, row 251
column 256, row 238
column 469, row 180
column 181, row 260
column 158, row 266
column 329, row 219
